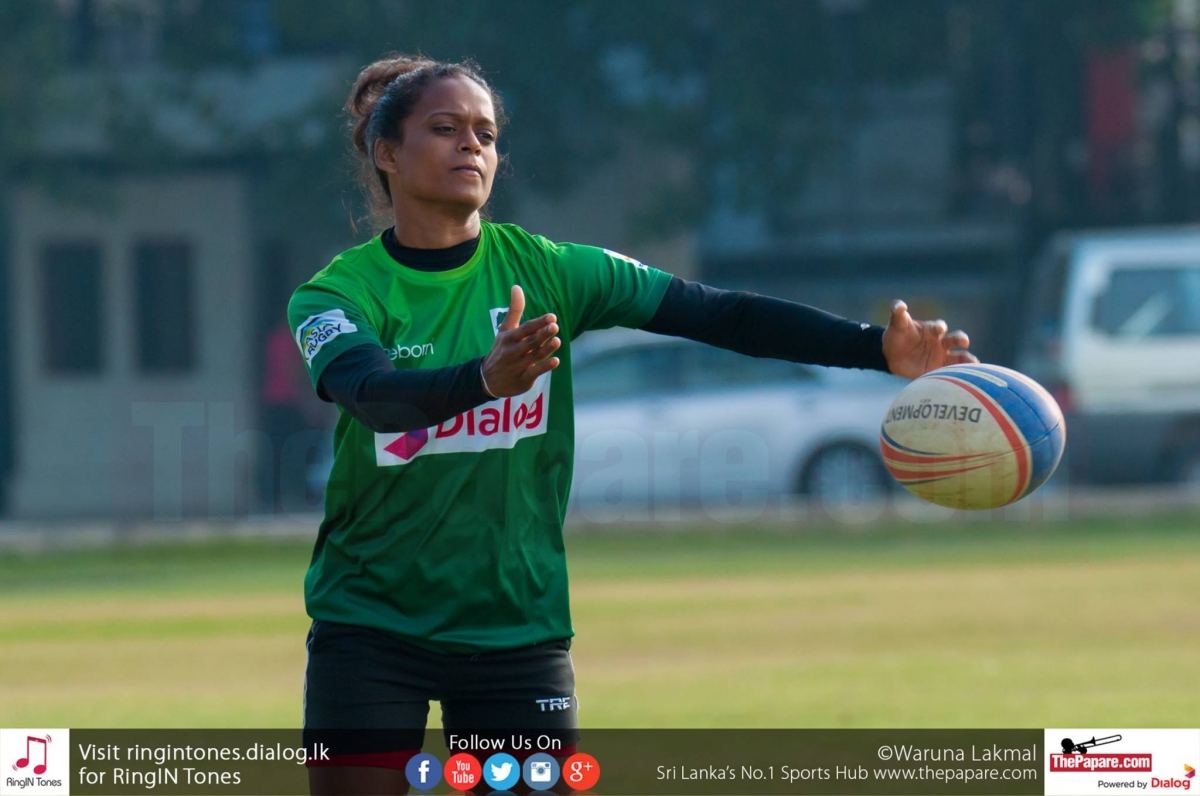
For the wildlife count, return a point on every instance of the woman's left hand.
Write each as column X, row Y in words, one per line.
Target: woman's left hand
column 913, row 348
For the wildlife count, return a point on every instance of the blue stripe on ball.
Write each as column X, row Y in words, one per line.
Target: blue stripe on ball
column 1045, row 454
column 1033, row 418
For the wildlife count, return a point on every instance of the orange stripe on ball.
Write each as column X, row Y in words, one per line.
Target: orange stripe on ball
column 1006, row 425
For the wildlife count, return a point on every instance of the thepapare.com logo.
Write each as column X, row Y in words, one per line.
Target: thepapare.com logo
column 1115, row 762
column 35, row 762
column 1086, row 757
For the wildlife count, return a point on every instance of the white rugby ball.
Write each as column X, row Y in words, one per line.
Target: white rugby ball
column 973, row 436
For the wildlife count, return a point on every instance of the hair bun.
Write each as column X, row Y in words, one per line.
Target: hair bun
column 370, row 85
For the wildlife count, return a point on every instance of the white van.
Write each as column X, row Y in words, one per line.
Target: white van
column 1113, row 331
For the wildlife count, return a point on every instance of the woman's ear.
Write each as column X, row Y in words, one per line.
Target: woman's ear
column 385, row 155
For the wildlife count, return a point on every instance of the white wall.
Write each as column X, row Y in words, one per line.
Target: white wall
column 601, row 209
column 86, row 444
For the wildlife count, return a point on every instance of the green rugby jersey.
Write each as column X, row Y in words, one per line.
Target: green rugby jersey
column 451, row 536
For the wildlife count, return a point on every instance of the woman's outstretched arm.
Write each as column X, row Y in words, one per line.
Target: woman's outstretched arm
column 762, row 326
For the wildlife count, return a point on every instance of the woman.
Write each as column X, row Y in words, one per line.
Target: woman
column 439, row 571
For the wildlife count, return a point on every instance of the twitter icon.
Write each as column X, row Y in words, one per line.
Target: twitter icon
column 501, row 771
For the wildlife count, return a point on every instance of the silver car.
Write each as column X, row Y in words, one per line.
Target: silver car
column 662, row 422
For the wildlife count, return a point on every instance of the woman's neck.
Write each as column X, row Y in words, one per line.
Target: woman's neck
column 419, row 228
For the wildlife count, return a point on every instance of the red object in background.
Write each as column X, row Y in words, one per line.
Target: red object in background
column 284, row 375
column 1111, row 116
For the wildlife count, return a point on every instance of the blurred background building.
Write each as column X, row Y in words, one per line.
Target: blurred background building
column 171, row 169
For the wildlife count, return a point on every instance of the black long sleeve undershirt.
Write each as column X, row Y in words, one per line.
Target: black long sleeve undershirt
column 762, row 326
column 363, row 381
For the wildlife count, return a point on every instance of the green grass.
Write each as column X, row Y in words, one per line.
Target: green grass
column 1091, row 623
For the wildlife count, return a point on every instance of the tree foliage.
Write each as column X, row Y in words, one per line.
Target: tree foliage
column 742, row 93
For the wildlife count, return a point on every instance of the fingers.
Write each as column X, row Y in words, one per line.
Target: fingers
column 516, row 307
column 961, row 358
column 956, row 339
column 523, row 348
column 530, row 327
column 522, row 352
column 534, row 340
column 543, row 350
column 534, row 371
column 541, row 335
column 919, row 346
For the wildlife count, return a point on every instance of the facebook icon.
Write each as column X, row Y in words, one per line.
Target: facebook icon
column 423, row 771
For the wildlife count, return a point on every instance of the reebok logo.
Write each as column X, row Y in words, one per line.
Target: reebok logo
column 410, row 351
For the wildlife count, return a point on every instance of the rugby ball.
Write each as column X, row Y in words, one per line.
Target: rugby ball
column 972, row 436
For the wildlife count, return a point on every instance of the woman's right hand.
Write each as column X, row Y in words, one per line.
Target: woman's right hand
column 519, row 354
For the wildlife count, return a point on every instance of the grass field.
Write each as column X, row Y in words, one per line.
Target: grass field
column 1005, row 625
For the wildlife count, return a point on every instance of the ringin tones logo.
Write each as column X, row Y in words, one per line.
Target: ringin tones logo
column 35, row 762
column 32, row 742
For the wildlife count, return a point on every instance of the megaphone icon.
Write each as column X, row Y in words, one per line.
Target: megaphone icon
column 1069, row 746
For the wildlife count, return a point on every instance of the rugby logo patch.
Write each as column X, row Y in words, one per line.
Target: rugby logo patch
column 626, row 258
column 319, row 329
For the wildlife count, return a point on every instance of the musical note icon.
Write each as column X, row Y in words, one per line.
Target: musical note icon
column 24, row 761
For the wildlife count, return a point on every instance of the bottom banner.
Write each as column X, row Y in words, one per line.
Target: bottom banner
column 603, row 761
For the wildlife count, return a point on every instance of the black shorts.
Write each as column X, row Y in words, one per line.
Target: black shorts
column 367, row 693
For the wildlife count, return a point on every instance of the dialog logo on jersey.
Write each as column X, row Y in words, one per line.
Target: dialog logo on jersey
column 319, row 329
column 497, row 424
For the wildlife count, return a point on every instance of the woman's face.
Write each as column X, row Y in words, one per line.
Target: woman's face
column 448, row 152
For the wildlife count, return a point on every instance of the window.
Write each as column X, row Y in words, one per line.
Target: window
column 72, row 297
column 629, row 372
column 1049, row 290
column 1149, row 302
column 163, row 282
